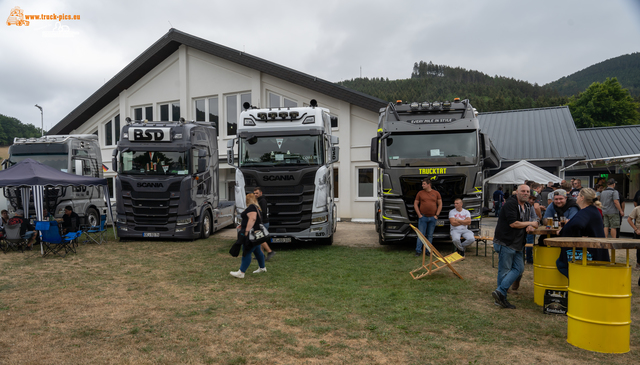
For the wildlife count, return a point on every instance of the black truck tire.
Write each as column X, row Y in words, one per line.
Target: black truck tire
column 205, row 230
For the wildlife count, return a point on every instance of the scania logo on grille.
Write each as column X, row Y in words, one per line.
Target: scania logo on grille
column 150, row 185
column 278, row 178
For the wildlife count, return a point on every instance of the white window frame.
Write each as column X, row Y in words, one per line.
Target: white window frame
column 207, row 109
column 144, row 111
column 226, row 112
column 170, row 105
column 114, row 132
column 374, row 196
column 281, row 101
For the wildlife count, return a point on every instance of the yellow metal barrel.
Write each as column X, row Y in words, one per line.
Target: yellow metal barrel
column 599, row 311
column 545, row 273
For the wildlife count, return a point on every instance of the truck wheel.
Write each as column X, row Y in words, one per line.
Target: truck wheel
column 205, row 231
column 93, row 218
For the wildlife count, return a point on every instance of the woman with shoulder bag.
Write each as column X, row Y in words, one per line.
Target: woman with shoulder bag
column 250, row 219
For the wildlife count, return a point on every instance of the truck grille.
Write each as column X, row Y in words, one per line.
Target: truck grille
column 151, row 208
column 290, row 206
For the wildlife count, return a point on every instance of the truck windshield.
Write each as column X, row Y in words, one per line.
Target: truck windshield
column 277, row 151
column 154, row 163
column 57, row 161
column 444, row 149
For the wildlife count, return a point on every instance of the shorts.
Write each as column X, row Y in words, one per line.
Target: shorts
column 27, row 235
column 612, row 220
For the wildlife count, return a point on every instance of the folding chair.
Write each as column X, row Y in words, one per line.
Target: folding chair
column 97, row 234
column 440, row 261
column 53, row 242
column 13, row 239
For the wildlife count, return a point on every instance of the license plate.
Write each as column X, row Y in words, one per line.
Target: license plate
column 280, row 240
column 150, row 234
column 440, row 223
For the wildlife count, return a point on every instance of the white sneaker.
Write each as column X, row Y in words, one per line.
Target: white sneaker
column 238, row 274
column 261, row 269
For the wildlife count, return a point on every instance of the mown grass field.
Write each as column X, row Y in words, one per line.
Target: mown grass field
column 175, row 303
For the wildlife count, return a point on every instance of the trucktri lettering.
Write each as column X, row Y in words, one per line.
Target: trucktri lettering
column 150, row 185
column 434, row 171
column 278, row 178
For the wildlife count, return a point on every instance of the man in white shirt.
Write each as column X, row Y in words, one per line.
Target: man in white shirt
column 460, row 219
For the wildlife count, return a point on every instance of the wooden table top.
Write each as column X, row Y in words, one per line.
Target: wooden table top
column 543, row 231
column 593, row 242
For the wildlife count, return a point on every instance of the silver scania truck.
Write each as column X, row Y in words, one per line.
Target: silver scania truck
column 441, row 141
column 289, row 153
column 167, row 183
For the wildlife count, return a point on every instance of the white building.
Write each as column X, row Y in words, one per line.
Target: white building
column 184, row 76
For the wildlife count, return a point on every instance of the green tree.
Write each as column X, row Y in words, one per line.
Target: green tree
column 12, row 127
column 604, row 104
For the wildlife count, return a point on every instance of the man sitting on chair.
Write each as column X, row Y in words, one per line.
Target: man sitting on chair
column 460, row 219
column 70, row 220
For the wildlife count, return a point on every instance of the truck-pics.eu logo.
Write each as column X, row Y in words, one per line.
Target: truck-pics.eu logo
column 18, row 18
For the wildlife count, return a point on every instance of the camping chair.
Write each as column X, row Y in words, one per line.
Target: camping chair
column 13, row 239
column 97, row 234
column 440, row 261
column 53, row 242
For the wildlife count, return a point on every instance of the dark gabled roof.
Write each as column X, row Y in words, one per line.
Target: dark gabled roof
column 533, row 134
column 168, row 44
column 610, row 141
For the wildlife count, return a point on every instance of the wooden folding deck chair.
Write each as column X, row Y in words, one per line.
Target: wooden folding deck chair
column 435, row 263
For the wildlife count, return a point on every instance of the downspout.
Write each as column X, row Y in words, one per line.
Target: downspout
column 561, row 174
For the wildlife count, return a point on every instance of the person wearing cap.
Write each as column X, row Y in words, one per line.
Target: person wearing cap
column 563, row 205
column 26, row 230
column 611, row 208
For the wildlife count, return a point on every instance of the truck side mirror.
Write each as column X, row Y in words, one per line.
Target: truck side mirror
column 374, row 149
column 114, row 160
column 335, row 140
column 230, row 152
column 202, row 165
column 78, row 166
column 335, row 154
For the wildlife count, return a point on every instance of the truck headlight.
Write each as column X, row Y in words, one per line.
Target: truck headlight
column 320, row 219
column 121, row 220
column 184, row 221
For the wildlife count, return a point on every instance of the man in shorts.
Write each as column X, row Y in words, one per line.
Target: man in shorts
column 611, row 209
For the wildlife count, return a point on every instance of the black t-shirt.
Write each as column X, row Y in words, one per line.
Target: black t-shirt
column 636, row 198
column 68, row 219
column 575, row 192
column 245, row 217
column 264, row 214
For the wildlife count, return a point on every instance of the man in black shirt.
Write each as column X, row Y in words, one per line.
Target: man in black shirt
column 264, row 214
column 69, row 220
column 514, row 222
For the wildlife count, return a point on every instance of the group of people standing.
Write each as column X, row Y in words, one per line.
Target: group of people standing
column 586, row 214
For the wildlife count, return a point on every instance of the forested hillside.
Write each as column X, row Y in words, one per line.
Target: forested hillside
column 431, row 82
column 12, row 127
column 625, row 68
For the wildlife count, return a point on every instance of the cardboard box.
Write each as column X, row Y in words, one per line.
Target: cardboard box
column 555, row 302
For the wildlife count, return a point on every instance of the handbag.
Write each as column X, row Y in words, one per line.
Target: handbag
column 235, row 249
column 258, row 236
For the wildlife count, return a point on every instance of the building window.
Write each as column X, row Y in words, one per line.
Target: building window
column 143, row 112
column 233, row 108
column 170, row 112
column 278, row 101
column 207, row 111
column 365, row 182
column 112, row 131
column 334, row 122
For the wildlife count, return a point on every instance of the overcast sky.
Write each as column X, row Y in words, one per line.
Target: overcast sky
column 537, row 41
